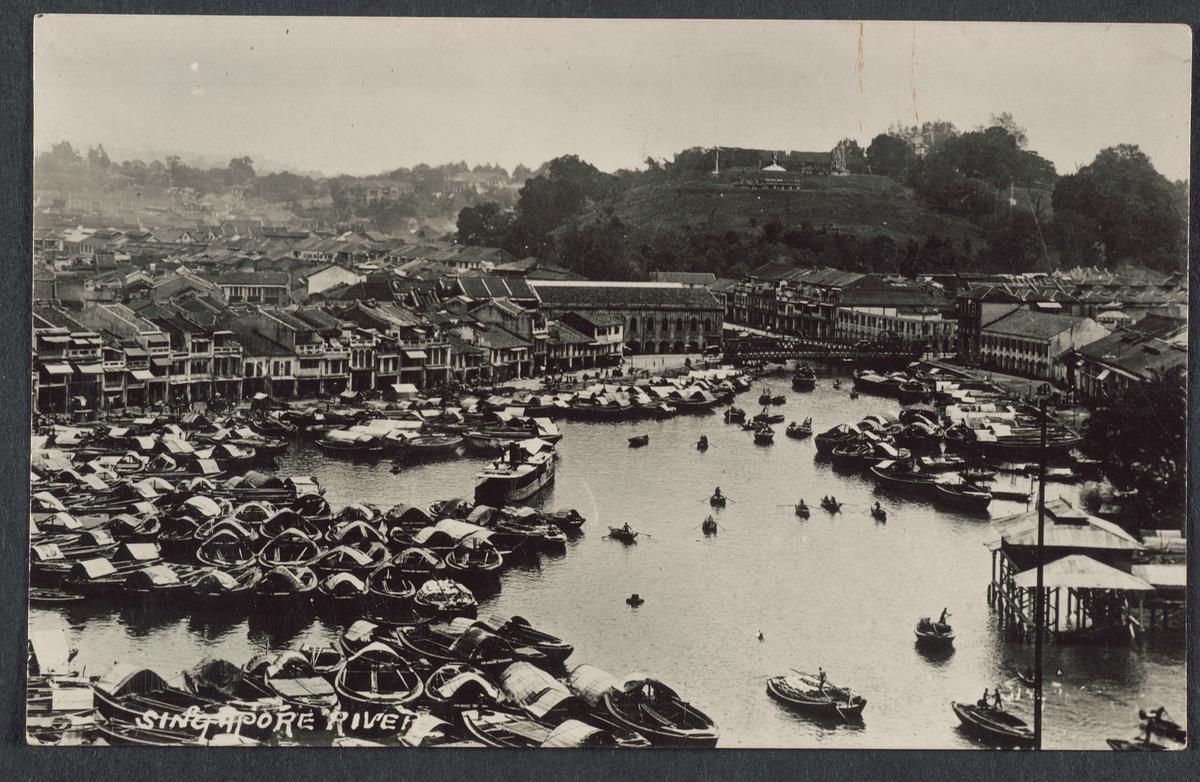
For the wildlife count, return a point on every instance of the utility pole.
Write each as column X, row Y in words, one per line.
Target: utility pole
column 1039, row 604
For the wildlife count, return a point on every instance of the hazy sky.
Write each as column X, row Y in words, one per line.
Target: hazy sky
column 366, row 95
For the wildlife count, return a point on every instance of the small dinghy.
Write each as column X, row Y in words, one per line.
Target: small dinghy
column 623, row 534
column 709, row 526
column 639, row 441
column 808, row 693
column 802, row 510
column 635, row 599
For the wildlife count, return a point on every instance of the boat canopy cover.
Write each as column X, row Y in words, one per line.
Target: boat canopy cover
column 204, row 507
column 573, row 733
column 591, row 683
column 533, row 689
column 92, row 569
column 460, row 530
column 154, row 576
column 50, row 650
column 126, row 679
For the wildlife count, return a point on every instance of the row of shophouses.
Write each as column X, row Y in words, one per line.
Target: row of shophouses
column 1092, row 331
column 109, row 355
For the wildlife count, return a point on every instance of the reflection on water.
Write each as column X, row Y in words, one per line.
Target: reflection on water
column 840, row 591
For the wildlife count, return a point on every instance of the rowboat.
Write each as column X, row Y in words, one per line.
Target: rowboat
column 799, row 431
column 1137, row 745
column 717, row 501
column 377, row 680
column 735, row 415
column 709, row 526
column 994, row 725
column 831, row 505
column 802, row 510
column 932, row 634
column 623, row 534
column 639, row 441
column 807, row 693
column 764, row 435
column 651, row 708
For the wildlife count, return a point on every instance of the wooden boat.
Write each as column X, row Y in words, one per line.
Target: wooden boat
column 389, row 589
column 838, row 435
column 623, row 534
column 125, row 693
column 634, row 600
column 456, row 686
column 503, row 727
column 517, row 631
column 474, row 560
column 161, row 583
column 568, row 520
column 419, row 565
column 893, row 476
column 764, row 436
column 52, row 596
column 444, row 598
column 325, row 660
column 932, row 634
column 851, row 455
column 702, row 443
column 1136, row 745
column 432, row 445
column 764, row 418
column 226, row 550
column 709, row 526
column 291, row 677
column 878, row 513
column 964, row 496
column 1162, row 726
column 735, row 415
column 340, row 442
column 994, row 725
column 799, row 431
column 285, row 586
column 651, row 708
column 120, row 733
column 226, row 590
column 802, row 510
column 290, row 547
column 717, row 501
column 639, row 441
column 804, row 378
column 805, row 692
column 377, row 680
column 344, row 593
column 831, row 505
column 358, row 558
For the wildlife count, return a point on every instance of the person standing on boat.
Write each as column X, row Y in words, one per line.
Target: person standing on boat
column 821, row 679
column 717, row 492
column 945, row 612
column 983, row 702
column 998, row 702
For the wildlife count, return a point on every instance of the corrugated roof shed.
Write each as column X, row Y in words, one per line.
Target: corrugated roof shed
column 1066, row 527
column 1082, row 572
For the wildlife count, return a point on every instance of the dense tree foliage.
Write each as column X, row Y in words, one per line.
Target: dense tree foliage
column 487, row 224
column 1119, row 209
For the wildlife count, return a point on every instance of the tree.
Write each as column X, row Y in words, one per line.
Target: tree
column 890, row 156
column 1005, row 120
column 549, row 200
column 597, row 250
column 1120, row 209
column 484, row 225
column 97, row 157
column 241, row 170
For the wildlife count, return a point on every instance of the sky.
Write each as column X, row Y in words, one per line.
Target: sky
column 365, row 95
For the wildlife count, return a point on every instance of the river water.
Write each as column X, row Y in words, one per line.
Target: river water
column 842, row 592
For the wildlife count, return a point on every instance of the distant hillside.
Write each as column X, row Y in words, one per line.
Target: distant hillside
column 859, row 204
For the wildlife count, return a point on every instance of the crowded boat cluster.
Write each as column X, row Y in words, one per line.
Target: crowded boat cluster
column 461, row 682
column 184, row 513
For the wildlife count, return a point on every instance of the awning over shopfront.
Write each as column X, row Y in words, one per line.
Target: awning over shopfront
column 90, row 369
column 141, row 374
column 415, row 354
column 57, row 368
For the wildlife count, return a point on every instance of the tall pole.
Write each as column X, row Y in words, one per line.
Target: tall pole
column 1038, row 606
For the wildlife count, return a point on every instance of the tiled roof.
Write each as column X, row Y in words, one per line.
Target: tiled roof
column 623, row 296
column 254, row 344
column 1035, row 325
column 254, row 278
column 496, row 288
column 687, row 278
